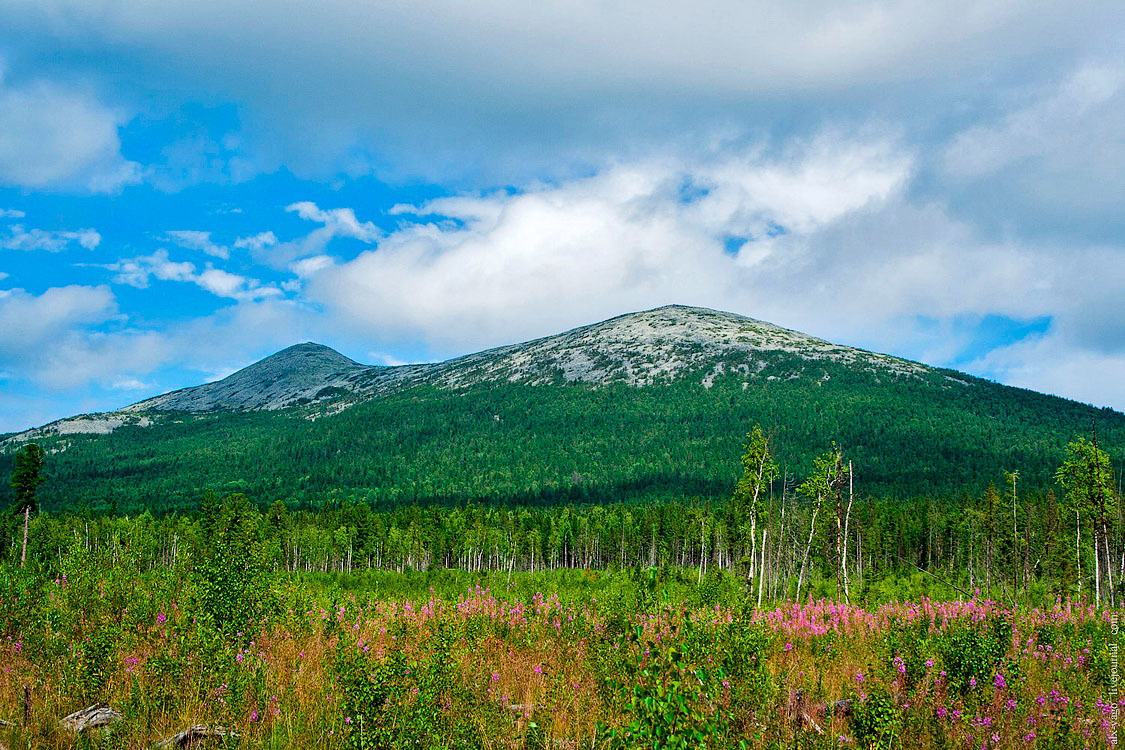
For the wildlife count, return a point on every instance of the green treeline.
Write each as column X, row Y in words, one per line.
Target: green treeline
column 548, row 446
column 964, row 544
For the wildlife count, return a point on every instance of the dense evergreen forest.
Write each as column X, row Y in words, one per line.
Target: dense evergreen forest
column 941, row 435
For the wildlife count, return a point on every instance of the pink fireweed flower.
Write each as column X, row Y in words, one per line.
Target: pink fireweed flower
column 160, row 618
column 998, row 681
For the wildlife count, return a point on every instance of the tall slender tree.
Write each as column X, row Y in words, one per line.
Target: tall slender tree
column 758, row 471
column 27, row 475
column 1087, row 477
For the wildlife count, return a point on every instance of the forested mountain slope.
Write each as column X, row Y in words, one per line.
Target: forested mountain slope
column 647, row 406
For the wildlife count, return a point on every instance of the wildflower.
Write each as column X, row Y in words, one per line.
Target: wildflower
column 254, row 715
column 788, row 646
column 998, row 681
column 160, row 618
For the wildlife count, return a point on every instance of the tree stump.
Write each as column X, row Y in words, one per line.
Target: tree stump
column 97, row 715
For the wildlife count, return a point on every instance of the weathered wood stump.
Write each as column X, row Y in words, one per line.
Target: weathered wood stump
column 198, row 733
column 97, row 715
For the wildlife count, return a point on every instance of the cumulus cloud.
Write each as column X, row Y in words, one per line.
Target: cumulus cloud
column 11, row 213
column 29, row 322
column 52, row 241
column 139, row 271
column 489, row 268
column 297, row 255
column 338, row 222
column 259, row 241
column 60, row 139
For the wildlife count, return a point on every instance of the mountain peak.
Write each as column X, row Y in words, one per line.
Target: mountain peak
column 309, row 351
column 662, row 344
column 297, row 374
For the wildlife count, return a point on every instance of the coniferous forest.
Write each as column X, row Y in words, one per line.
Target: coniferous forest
column 761, row 605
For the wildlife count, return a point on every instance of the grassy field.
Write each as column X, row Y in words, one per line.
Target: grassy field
column 566, row 659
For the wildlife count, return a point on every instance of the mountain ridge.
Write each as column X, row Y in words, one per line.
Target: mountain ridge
column 639, row 348
column 649, row 406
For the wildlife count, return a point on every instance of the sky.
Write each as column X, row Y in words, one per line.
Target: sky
column 188, row 187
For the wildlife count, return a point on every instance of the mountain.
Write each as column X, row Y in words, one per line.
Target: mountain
column 638, row 349
column 294, row 375
column 646, row 406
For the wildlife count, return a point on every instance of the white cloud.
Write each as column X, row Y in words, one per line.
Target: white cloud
column 196, row 240
column 139, row 271
column 338, row 222
column 311, row 266
column 335, row 223
column 29, row 322
column 489, row 269
column 11, row 213
column 53, row 241
column 59, row 139
column 258, row 241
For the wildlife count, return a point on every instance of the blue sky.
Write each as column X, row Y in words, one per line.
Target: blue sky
column 186, row 189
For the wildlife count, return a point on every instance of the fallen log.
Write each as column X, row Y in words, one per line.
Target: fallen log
column 97, row 715
column 195, row 734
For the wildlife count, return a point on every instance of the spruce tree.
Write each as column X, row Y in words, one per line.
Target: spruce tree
column 27, row 475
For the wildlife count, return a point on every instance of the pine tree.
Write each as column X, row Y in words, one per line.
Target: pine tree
column 26, row 478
